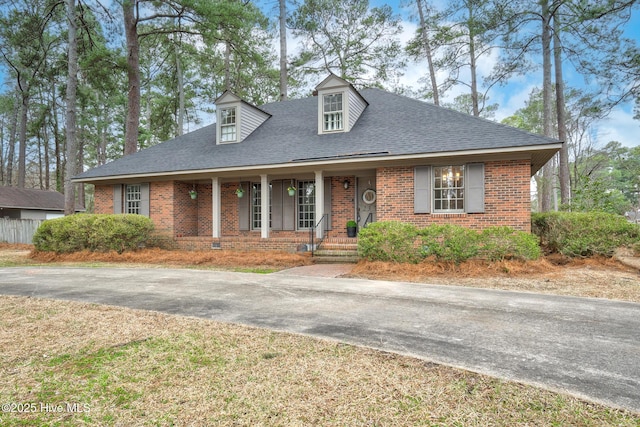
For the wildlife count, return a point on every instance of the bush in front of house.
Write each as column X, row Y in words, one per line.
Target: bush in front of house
column 400, row 242
column 499, row 243
column 584, row 234
column 98, row 232
column 389, row 241
column 449, row 242
column 66, row 234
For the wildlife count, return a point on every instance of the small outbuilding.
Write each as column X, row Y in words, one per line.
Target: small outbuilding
column 26, row 203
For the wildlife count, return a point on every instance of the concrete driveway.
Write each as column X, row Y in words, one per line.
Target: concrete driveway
column 587, row 347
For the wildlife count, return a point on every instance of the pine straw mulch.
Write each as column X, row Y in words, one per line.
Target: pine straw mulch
column 597, row 277
column 162, row 257
column 133, row 367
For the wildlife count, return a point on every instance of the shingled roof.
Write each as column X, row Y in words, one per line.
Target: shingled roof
column 391, row 126
column 26, row 198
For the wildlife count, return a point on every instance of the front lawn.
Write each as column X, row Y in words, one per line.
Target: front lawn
column 103, row 365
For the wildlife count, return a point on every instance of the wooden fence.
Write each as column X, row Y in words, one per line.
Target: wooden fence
column 18, row 230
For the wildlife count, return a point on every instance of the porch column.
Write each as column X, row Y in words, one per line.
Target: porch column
column 264, row 209
column 215, row 208
column 319, row 204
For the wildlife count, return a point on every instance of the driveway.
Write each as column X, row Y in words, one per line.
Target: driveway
column 586, row 347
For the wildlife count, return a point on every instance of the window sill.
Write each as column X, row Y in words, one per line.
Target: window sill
column 448, row 214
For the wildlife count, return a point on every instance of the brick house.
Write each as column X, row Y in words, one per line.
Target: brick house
column 310, row 165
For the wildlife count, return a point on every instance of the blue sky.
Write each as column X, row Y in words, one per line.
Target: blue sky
column 619, row 126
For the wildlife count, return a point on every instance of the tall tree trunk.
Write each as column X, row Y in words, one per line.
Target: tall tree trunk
column 147, row 113
column 227, row 65
column 13, row 127
column 40, row 161
column 102, row 142
column 22, row 139
column 283, row 51
column 427, row 51
column 59, row 146
column 180, row 77
column 80, row 168
column 133, row 76
column 563, row 167
column 47, row 176
column 546, row 103
column 473, row 68
column 70, row 122
column 2, row 137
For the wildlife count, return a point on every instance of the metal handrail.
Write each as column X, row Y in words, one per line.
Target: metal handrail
column 312, row 232
column 369, row 220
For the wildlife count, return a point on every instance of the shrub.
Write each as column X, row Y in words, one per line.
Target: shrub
column 499, row 243
column 583, row 234
column 449, row 242
column 66, row 234
column 93, row 232
column 388, row 241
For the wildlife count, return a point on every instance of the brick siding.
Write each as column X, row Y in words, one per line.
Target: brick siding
column 189, row 222
column 103, row 199
column 507, row 198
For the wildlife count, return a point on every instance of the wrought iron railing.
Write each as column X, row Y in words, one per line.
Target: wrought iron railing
column 312, row 232
column 369, row 220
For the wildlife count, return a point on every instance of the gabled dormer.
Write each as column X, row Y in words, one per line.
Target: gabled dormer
column 236, row 119
column 339, row 105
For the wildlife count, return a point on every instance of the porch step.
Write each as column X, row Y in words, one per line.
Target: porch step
column 335, row 256
column 339, row 245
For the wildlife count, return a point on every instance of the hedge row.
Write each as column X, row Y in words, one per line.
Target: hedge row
column 97, row 232
column 401, row 242
column 584, row 234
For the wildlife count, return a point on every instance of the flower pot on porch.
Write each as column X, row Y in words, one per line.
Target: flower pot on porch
column 193, row 194
column 292, row 191
column 352, row 228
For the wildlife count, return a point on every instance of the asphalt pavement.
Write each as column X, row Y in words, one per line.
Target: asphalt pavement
column 582, row 346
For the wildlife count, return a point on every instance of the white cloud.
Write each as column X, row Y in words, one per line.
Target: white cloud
column 619, row 126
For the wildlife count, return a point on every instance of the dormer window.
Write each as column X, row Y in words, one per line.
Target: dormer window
column 228, row 128
column 333, row 112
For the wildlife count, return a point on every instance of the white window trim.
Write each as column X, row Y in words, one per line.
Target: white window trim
column 344, row 112
column 133, row 205
column 255, row 210
column 299, row 195
column 235, row 125
column 434, row 210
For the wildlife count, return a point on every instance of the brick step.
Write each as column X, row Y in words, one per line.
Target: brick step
column 339, row 246
column 335, row 256
column 335, row 259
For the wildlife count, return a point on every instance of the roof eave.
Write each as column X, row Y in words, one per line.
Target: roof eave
column 545, row 151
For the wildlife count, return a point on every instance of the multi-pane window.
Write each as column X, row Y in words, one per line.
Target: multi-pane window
column 448, row 189
column 306, row 204
column 228, row 125
column 133, row 196
column 256, row 206
column 332, row 111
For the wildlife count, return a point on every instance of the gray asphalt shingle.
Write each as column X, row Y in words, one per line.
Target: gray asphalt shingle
column 391, row 124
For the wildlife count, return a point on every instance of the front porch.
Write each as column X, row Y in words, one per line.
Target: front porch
column 228, row 213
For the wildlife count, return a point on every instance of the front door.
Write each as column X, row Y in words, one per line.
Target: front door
column 366, row 201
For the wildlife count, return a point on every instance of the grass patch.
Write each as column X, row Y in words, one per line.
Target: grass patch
column 142, row 368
